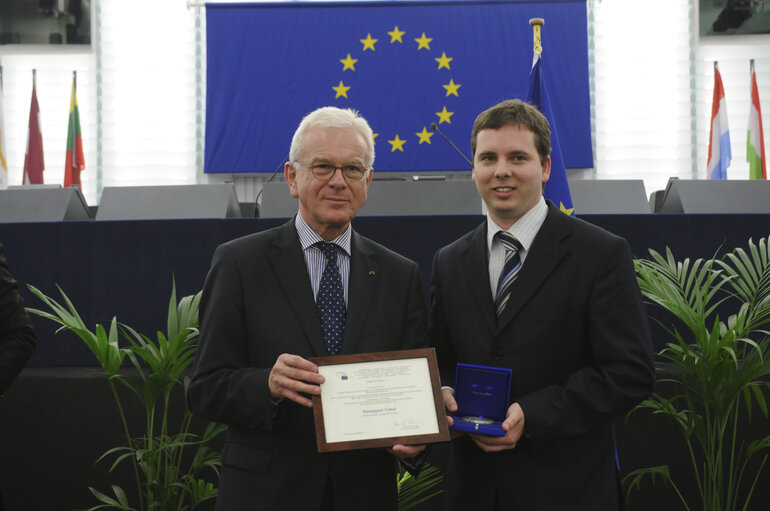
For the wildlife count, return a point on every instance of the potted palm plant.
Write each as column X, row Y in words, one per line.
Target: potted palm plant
column 169, row 461
column 718, row 366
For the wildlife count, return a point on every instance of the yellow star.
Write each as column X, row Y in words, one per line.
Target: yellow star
column 397, row 144
column 424, row 135
column 341, row 90
column 451, row 88
column 349, row 63
column 444, row 116
column 443, row 60
column 396, row 34
column 368, row 42
column 423, row 42
column 374, row 137
column 565, row 209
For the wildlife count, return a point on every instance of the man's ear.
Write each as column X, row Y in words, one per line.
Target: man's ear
column 290, row 173
column 368, row 178
column 546, row 169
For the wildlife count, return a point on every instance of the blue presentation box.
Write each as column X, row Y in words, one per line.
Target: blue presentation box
column 482, row 395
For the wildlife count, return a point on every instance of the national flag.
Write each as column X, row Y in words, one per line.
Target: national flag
column 403, row 65
column 33, row 159
column 719, row 141
column 74, row 163
column 3, row 164
column 557, row 187
column 755, row 141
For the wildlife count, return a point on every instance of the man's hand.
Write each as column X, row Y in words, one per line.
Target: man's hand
column 292, row 374
column 448, row 393
column 406, row 451
column 514, row 428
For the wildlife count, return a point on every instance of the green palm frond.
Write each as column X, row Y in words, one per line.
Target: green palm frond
column 169, row 464
column 720, row 367
column 413, row 491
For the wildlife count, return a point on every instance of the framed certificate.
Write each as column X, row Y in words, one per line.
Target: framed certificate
column 379, row 400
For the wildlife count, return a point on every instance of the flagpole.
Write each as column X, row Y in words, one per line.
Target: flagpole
column 537, row 45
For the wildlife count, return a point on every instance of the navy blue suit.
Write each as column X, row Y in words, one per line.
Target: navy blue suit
column 576, row 336
column 257, row 304
column 17, row 338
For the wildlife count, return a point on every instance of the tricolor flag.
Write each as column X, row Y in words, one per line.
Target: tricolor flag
column 719, row 141
column 755, row 141
column 3, row 164
column 74, row 163
column 557, row 187
column 33, row 159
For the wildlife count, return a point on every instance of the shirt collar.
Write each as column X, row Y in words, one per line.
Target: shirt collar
column 524, row 229
column 308, row 237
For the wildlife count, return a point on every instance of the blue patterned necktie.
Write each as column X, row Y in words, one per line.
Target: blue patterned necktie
column 331, row 300
column 510, row 269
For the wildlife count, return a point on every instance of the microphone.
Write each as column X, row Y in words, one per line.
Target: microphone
column 434, row 127
column 256, row 201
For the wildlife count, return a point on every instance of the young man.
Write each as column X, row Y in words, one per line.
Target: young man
column 311, row 287
column 566, row 316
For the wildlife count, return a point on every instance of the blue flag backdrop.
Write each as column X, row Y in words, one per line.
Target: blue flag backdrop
column 403, row 65
column 557, row 187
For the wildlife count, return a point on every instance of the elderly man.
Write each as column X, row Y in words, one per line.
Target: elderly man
column 555, row 300
column 312, row 287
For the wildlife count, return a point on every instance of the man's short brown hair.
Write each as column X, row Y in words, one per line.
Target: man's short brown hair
column 514, row 112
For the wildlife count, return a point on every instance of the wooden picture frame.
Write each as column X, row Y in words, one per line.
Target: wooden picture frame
column 379, row 400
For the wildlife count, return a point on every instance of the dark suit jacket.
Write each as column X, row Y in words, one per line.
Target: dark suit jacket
column 257, row 304
column 17, row 338
column 575, row 334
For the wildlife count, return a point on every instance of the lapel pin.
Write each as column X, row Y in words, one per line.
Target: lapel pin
column 371, row 273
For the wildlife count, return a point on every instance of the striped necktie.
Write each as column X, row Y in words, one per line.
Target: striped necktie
column 510, row 269
column 331, row 300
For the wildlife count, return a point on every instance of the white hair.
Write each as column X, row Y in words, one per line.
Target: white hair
column 333, row 117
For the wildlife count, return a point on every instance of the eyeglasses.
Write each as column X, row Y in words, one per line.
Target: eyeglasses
column 325, row 171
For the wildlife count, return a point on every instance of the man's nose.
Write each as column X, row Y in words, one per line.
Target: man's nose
column 502, row 169
column 337, row 179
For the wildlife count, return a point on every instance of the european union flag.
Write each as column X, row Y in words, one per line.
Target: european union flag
column 403, row 65
column 557, row 188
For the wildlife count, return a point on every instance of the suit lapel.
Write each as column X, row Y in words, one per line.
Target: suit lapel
column 476, row 265
column 364, row 272
column 289, row 265
column 545, row 254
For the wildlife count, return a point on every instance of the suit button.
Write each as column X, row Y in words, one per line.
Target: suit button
column 497, row 355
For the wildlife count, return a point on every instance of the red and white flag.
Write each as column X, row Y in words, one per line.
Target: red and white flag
column 720, row 154
column 33, row 159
